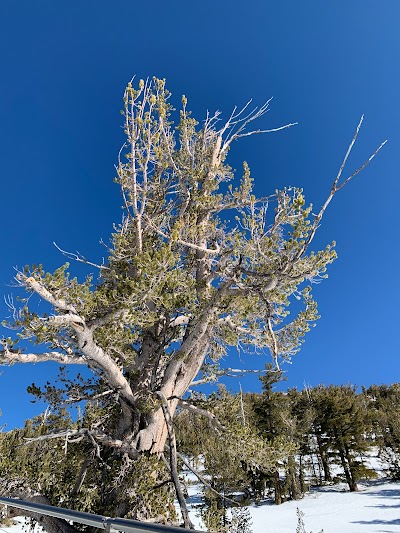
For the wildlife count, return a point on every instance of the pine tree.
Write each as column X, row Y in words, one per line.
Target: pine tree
column 346, row 424
column 197, row 265
column 276, row 417
column 384, row 406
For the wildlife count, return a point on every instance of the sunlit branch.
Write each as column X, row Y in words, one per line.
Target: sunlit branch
column 79, row 434
column 336, row 187
column 41, row 291
column 80, row 258
column 9, row 357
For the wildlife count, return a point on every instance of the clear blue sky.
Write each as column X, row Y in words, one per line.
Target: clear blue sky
column 64, row 66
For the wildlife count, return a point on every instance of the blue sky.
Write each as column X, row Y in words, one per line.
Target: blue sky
column 64, row 67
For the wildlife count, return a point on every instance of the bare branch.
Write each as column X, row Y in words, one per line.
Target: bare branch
column 89, row 398
column 203, row 480
column 238, row 123
column 179, row 321
column 59, row 435
column 227, row 320
column 100, row 359
column 80, row 258
column 349, row 149
column 173, row 462
column 202, row 412
column 117, row 444
column 227, row 372
column 81, row 476
column 215, row 250
column 274, row 347
column 10, row 357
column 98, row 437
column 362, row 166
column 265, row 131
column 69, row 319
column 233, row 371
column 334, row 189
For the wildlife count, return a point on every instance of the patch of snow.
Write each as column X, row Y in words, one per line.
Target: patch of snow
column 374, row 509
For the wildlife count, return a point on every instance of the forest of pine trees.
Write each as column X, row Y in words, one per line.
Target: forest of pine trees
column 316, row 436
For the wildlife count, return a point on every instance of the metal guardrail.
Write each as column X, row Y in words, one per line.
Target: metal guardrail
column 94, row 520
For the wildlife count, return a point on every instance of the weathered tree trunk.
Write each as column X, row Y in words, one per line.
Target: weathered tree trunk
column 345, row 464
column 324, row 458
column 277, row 488
column 351, row 469
column 177, row 380
column 174, row 466
column 316, row 476
column 302, row 482
column 347, row 472
column 294, row 489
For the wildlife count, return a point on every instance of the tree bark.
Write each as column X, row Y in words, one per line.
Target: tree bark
column 177, row 380
column 174, row 466
column 345, row 464
column 277, row 488
column 351, row 470
column 324, row 458
column 294, row 489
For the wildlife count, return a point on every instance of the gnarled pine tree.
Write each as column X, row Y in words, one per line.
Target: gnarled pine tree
column 197, row 265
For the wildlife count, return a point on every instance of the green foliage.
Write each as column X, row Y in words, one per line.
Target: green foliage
column 233, row 455
column 197, row 265
column 217, row 518
column 51, row 467
column 384, row 407
column 240, row 521
column 213, row 513
column 174, row 200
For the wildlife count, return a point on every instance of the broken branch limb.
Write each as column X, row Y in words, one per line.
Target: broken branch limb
column 274, row 347
column 334, row 189
column 229, row 372
column 10, row 357
column 80, row 258
column 173, row 463
column 362, row 166
column 203, row 480
column 202, row 412
column 93, row 436
column 192, row 245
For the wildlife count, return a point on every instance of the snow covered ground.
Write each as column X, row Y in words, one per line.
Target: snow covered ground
column 374, row 509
